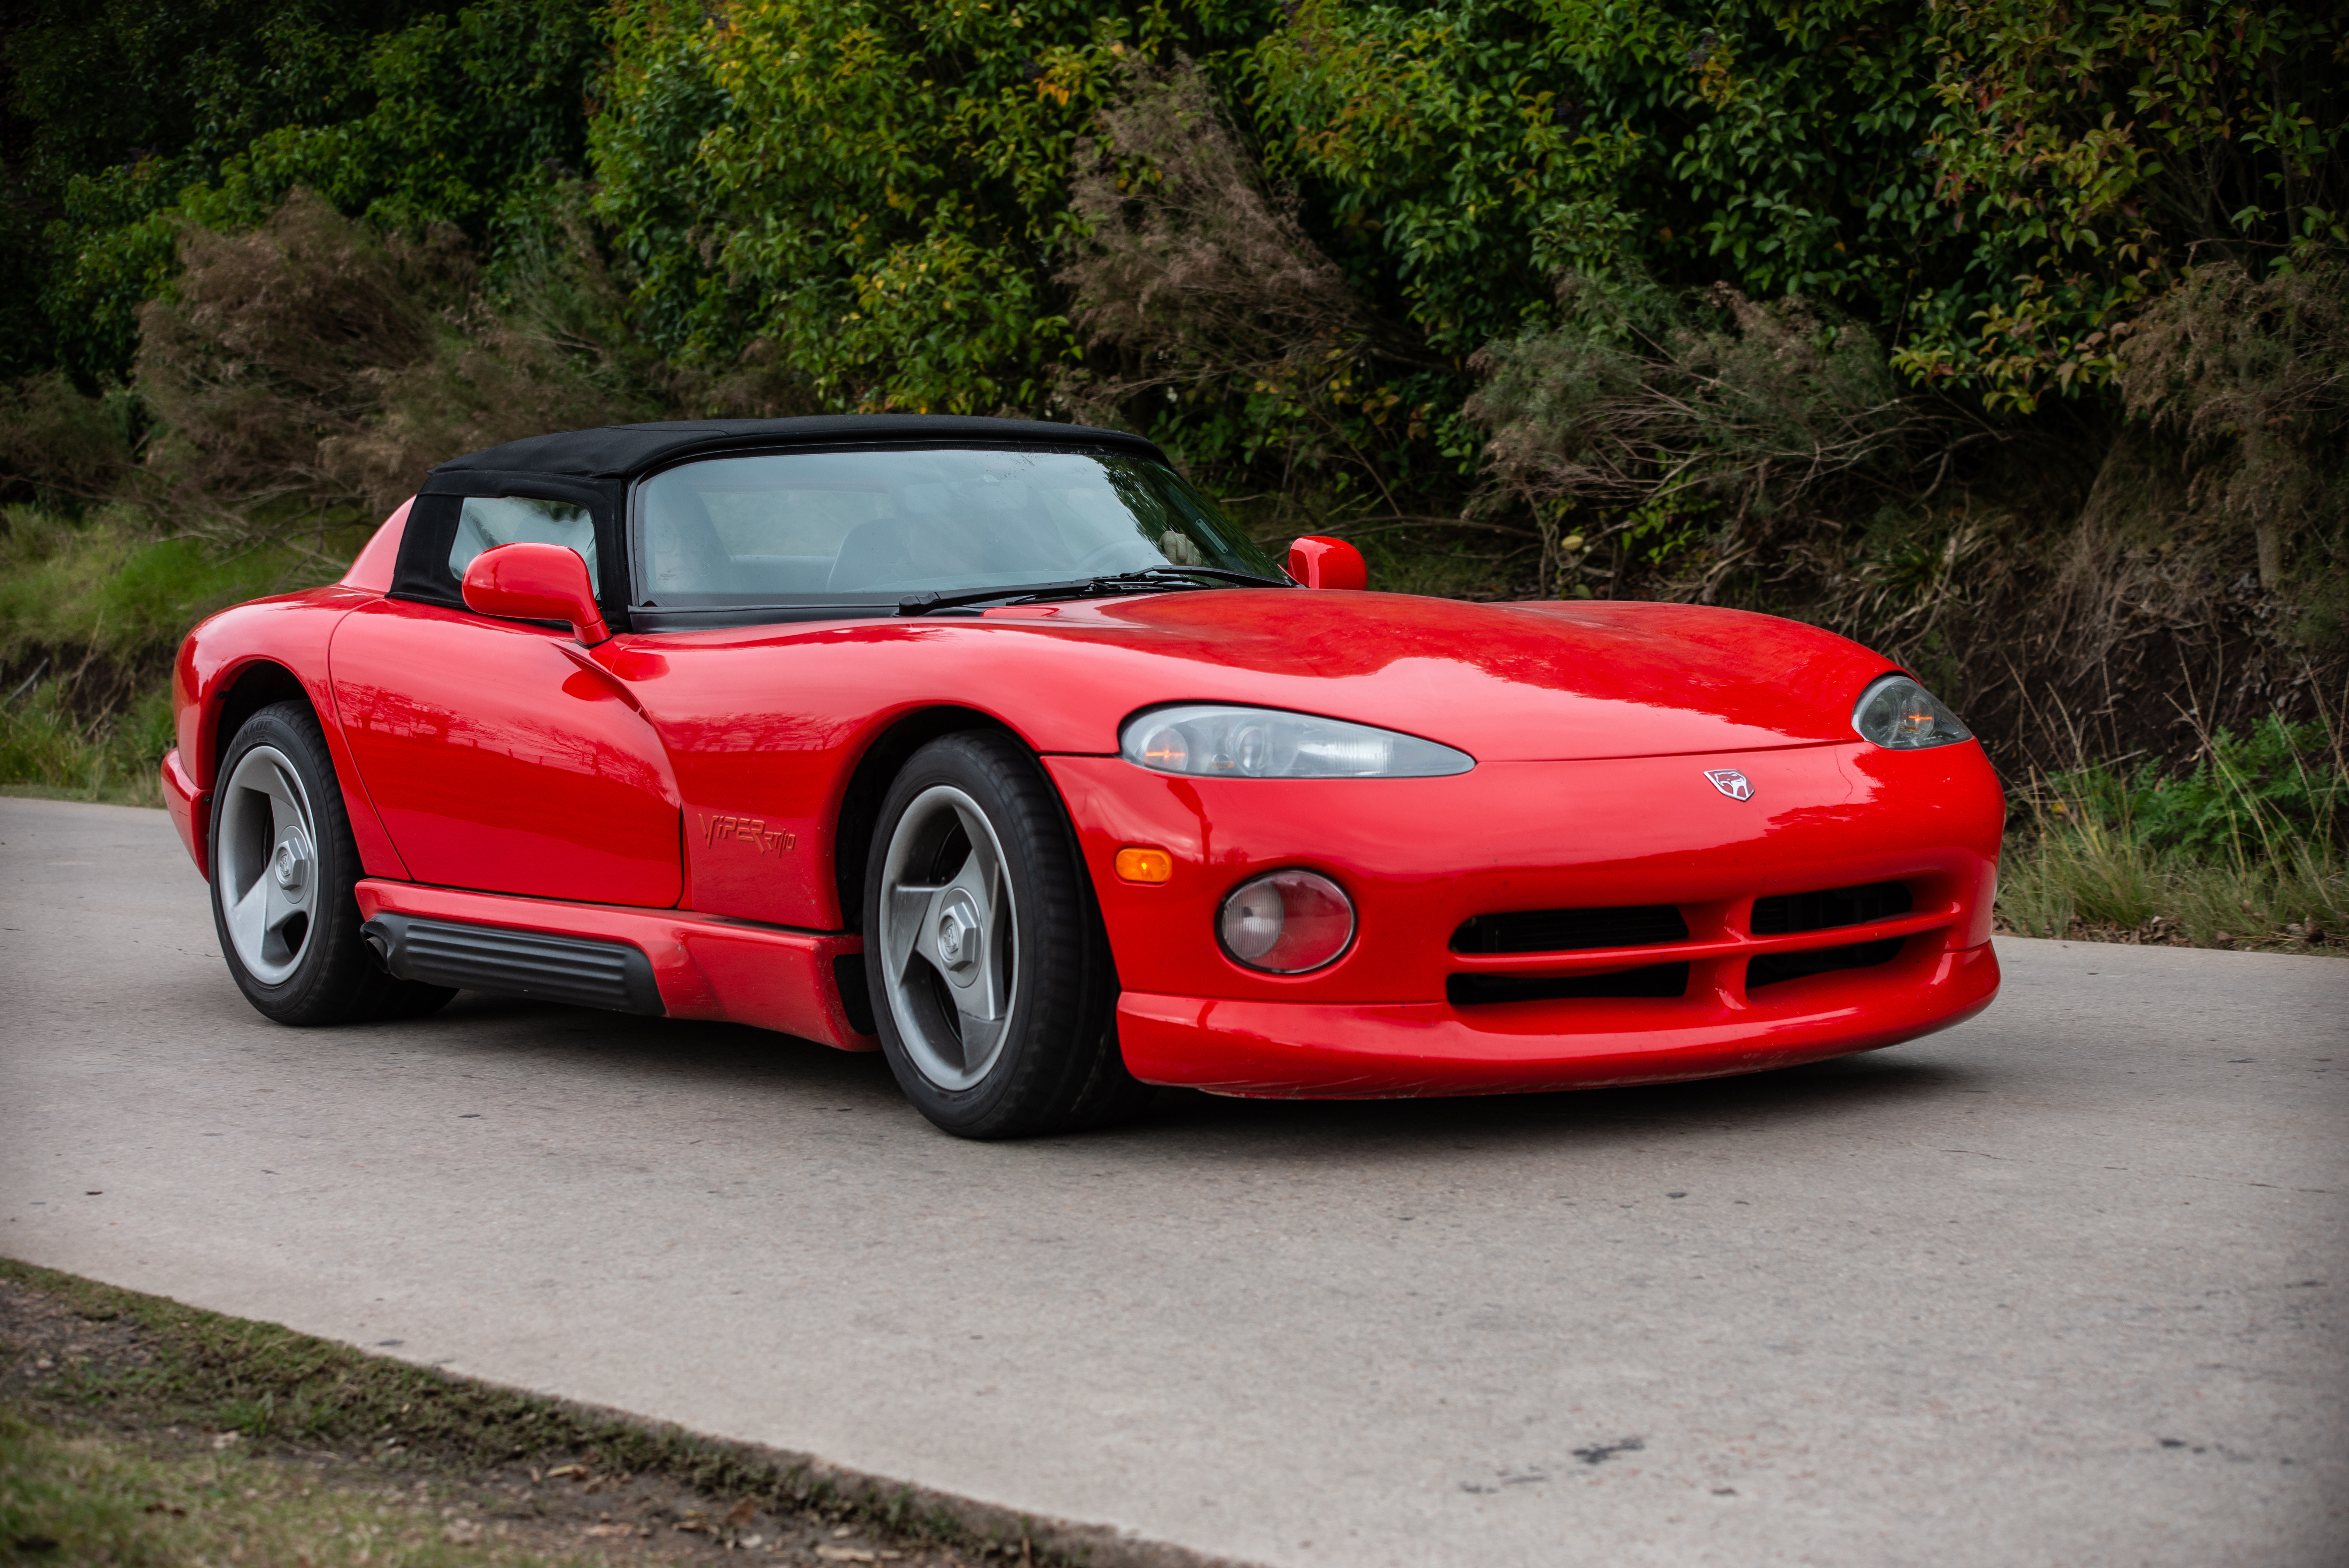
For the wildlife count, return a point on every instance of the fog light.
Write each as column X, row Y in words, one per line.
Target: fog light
column 1287, row 922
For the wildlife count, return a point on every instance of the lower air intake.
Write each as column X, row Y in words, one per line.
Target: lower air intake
column 1776, row 968
column 1571, row 930
column 1480, row 990
column 1786, row 913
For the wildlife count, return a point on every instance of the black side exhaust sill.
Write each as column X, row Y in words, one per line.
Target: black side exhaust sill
column 1773, row 968
column 615, row 975
column 1649, row 980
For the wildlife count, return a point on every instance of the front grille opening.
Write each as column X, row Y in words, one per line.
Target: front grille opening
column 1571, row 930
column 1786, row 913
column 1650, row 980
column 1773, row 968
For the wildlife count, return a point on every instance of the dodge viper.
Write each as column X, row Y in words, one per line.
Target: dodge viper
column 996, row 747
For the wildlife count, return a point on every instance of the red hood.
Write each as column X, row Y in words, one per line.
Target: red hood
column 1502, row 681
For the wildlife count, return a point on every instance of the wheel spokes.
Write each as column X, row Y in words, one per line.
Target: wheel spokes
column 268, row 872
column 953, row 1018
column 908, row 929
column 978, row 987
column 248, row 918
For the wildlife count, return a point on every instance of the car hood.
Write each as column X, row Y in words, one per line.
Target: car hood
column 1547, row 681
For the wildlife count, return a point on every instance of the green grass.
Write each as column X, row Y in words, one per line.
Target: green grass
column 104, row 601
column 47, row 749
column 107, row 587
column 2248, row 848
column 96, row 1500
column 151, row 1432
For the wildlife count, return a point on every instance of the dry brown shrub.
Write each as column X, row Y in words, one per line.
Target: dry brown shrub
column 2255, row 374
column 1751, row 416
column 312, row 359
column 1197, row 273
column 277, row 342
column 1194, row 264
column 56, row 442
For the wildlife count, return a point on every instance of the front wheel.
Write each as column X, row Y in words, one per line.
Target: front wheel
column 994, row 990
column 284, row 867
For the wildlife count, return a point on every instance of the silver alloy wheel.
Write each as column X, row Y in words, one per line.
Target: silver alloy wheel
column 268, row 871
column 948, row 943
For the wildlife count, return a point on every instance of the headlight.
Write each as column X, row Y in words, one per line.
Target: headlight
column 1287, row 922
column 1899, row 714
column 1219, row 742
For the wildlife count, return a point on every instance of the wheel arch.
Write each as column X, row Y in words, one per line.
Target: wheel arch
column 234, row 695
column 868, row 782
column 250, row 687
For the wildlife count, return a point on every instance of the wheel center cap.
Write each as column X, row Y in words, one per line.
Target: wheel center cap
column 958, row 930
column 291, row 865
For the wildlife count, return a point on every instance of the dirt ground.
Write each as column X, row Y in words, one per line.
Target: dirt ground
column 129, row 1435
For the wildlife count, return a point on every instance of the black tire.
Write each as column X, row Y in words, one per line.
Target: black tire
column 1055, row 1066
column 331, row 977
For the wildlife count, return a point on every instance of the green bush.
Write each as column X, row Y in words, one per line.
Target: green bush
column 2249, row 843
column 2250, row 795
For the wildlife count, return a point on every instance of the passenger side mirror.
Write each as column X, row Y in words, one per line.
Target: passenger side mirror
column 1319, row 562
column 536, row 583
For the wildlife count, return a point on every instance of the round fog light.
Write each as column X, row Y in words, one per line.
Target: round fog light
column 1287, row 922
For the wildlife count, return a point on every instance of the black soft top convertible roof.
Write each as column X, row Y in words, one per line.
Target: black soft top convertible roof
column 624, row 451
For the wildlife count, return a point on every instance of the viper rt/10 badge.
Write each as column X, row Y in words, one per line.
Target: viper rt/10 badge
column 1731, row 782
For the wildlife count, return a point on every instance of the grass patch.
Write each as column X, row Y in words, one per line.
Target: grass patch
column 136, row 1430
column 88, row 1499
column 48, row 750
column 92, row 611
column 107, row 588
column 2244, row 850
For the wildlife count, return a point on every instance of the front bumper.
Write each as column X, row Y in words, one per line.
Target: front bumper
column 191, row 810
column 1404, row 1011
column 1374, row 1051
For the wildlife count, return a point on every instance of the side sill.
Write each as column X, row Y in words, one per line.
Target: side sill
column 614, row 975
column 702, row 966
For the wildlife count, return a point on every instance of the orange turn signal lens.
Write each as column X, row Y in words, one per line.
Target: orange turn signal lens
column 1135, row 864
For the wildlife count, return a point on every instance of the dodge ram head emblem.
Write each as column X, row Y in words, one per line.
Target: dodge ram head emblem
column 1731, row 782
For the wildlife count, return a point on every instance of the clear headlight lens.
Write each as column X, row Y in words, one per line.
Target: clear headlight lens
column 1215, row 741
column 1897, row 714
column 1287, row 922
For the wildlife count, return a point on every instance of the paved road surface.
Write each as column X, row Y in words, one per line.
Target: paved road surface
column 2063, row 1287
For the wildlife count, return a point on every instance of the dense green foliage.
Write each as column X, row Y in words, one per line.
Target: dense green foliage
column 877, row 192
column 146, row 116
column 2005, row 334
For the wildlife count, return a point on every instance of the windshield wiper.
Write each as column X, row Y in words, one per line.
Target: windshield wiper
column 1149, row 580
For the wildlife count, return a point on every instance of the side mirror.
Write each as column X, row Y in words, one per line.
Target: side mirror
column 535, row 582
column 1319, row 562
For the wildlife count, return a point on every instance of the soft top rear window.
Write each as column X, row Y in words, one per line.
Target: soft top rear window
column 857, row 531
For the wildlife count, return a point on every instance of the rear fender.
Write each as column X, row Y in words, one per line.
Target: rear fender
column 244, row 659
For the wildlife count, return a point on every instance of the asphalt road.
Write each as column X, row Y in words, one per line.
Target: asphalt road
column 2062, row 1287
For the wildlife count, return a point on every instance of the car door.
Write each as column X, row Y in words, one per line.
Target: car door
column 499, row 756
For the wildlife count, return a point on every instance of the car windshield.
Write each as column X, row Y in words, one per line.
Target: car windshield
column 862, row 529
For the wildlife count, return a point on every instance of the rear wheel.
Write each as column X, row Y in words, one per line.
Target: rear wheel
column 284, row 867
column 993, row 988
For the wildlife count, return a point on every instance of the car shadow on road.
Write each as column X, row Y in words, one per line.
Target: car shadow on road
column 751, row 1065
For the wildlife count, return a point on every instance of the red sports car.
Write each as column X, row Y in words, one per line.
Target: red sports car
column 995, row 747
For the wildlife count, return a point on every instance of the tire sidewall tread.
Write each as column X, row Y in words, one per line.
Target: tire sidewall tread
column 1051, row 1074
column 337, row 980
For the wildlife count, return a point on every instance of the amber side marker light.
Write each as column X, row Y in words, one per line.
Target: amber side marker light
column 1135, row 864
